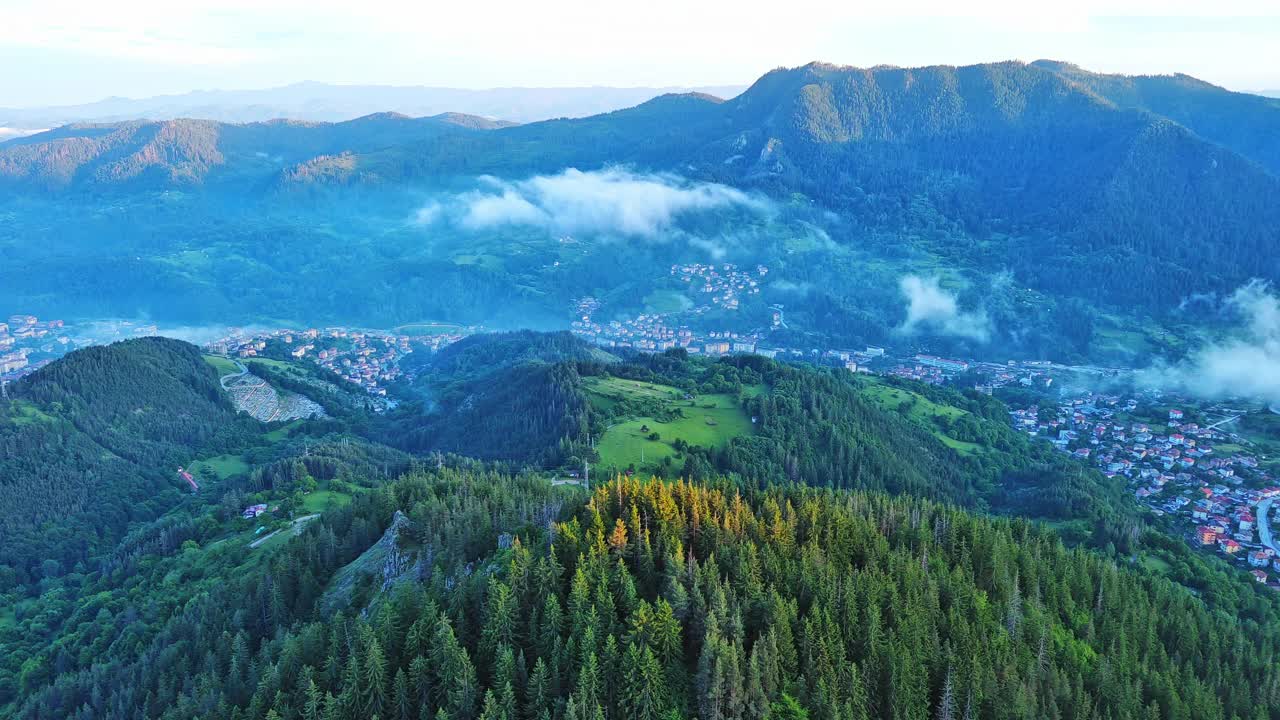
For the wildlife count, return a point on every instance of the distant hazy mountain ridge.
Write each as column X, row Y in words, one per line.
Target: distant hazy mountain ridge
column 1131, row 191
column 185, row 151
column 335, row 103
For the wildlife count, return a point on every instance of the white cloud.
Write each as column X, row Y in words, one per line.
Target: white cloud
column 9, row 133
column 426, row 214
column 134, row 30
column 933, row 310
column 1247, row 363
column 713, row 248
column 610, row 202
column 506, row 207
column 787, row 286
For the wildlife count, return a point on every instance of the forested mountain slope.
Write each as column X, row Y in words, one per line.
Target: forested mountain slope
column 1244, row 122
column 1146, row 189
column 1066, row 176
column 503, row 396
column 143, row 155
column 660, row 600
column 92, row 442
column 814, row 561
column 533, row 399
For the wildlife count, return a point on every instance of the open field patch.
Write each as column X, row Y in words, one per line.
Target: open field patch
column 642, row 439
column 922, row 410
column 222, row 466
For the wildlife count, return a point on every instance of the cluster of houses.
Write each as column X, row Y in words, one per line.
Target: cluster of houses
column 28, row 343
column 940, row 370
column 585, row 307
column 725, row 283
column 367, row 358
column 929, row 369
column 1174, row 467
column 651, row 333
column 648, row 331
column 24, row 336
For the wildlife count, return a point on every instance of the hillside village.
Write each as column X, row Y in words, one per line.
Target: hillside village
column 28, row 342
column 715, row 287
column 725, row 284
column 368, row 359
column 1213, row 490
column 23, row 337
column 1194, row 473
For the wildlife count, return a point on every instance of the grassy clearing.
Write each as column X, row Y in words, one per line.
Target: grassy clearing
column 1120, row 342
column 321, row 500
column 274, row 364
column 223, row 466
column 922, row 410
column 1155, row 564
column 224, row 366
column 274, row 541
column 706, row 420
column 960, row 446
column 23, row 412
column 283, row 432
column 620, row 388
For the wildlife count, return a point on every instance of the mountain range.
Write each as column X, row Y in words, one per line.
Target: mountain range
column 545, row 526
column 1117, row 191
column 316, row 101
column 783, row 119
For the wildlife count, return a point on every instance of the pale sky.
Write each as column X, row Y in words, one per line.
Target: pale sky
column 70, row 51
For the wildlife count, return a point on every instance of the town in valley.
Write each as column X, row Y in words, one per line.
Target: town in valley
column 1188, row 462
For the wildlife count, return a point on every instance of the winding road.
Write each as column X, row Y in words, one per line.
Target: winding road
column 1224, row 422
column 1264, row 524
column 296, row 526
column 228, row 378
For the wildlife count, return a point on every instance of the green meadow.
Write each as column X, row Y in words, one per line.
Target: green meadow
column 921, row 410
column 705, row 420
column 223, row 466
column 224, row 366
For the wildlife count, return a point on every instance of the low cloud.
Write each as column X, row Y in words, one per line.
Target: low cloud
column 1209, row 299
column 605, row 202
column 787, row 286
column 1244, row 364
column 109, row 330
column 714, row 249
column 426, row 214
column 9, row 133
column 931, row 309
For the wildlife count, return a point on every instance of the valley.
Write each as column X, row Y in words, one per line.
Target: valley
column 261, row 501
column 892, row 392
column 510, row 227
